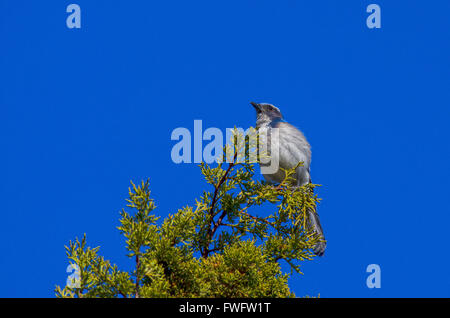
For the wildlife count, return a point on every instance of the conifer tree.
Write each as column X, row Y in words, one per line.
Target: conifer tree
column 229, row 244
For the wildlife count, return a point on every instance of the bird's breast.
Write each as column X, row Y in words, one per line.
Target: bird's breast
column 286, row 147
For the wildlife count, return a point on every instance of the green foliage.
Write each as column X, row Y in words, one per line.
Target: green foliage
column 230, row 244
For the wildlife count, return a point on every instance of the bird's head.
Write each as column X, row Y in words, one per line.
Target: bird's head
column 266, row 113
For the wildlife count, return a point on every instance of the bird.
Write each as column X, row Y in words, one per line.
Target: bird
column 292, row 149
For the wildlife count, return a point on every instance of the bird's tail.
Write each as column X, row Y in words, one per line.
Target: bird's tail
column 314, row 223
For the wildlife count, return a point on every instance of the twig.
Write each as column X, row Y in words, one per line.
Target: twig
column 256, row 218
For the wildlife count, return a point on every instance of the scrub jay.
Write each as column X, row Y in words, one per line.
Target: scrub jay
column 292, row 149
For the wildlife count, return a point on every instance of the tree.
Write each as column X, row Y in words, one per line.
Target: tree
column 230, row 244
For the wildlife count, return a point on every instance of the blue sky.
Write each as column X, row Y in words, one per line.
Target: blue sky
column 84, row 111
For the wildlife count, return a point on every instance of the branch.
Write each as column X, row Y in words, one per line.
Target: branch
column 138, row 265
column 213, row 204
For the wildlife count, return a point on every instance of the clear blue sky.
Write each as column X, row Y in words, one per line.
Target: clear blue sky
column 85, row 111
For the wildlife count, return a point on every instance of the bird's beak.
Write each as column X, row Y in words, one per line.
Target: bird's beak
column 257, row 106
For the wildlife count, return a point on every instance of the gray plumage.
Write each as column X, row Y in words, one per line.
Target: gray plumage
column 293, row 148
